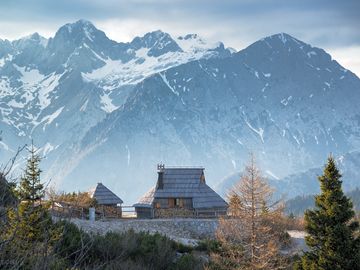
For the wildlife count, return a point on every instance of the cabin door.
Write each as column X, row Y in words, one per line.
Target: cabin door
column 171, row 202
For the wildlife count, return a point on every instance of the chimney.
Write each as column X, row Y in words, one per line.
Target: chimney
column 160, row 182
column 161, row 167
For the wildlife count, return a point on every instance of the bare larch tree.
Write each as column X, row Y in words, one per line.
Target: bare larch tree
column 252, row 232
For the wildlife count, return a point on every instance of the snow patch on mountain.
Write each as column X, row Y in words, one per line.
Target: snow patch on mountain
column 116, row 73
column 30, row 77
column 51, row 117
column 46, row 87
column 128, row 154
column 309, row 54
column 4, row 146
column 13, row 103
column 259, row 131
column 195, row 44
column 107, row 103
column 163, row 77
column 84, row 106
column 270, row 173
column 283, row 38
column 47, row 148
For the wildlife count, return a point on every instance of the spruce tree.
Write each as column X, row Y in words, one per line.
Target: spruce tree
column 31, row 189
column 333, row 234
column 30, row 231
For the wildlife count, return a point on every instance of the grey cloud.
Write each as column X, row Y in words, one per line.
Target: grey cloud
column 327, row 23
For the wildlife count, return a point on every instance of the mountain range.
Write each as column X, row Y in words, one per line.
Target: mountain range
column 105, row 111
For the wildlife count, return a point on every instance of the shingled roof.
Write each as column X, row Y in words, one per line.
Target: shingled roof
column 184, row 183
column 105, row 196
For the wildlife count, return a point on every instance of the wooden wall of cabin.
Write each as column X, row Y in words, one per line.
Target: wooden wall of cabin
column 173, row 203
column 109, row 211
column 143, row 212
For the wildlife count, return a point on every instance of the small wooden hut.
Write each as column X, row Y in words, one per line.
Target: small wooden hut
column 107, row 201
column 180, row 192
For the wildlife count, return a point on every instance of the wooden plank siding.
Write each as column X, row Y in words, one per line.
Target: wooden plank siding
column 173, row 203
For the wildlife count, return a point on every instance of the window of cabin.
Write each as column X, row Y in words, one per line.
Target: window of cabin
column 176, row 202
column 179, row 202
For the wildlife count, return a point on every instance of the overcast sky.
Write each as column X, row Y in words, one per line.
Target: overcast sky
column 329, row 24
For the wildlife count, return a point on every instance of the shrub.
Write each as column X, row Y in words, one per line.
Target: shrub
column 183, row 248
column 209, row 245
column 74, row 244
column 186, row 262
column 113, row 250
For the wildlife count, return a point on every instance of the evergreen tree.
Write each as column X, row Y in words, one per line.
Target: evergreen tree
column 31, row 189
column 30, row 232
column 333, row 235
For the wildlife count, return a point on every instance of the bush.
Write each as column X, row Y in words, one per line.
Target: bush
column 183, row 248
column 73, row 244
column 113, row 250
column 156, row 251
column 209, row 246
column 77, row 249
column 186, row 262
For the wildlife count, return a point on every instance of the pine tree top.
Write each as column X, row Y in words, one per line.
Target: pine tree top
column 31, row 188
column 331, row 177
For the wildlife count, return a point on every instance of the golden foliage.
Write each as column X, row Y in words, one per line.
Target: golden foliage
column 79, row 199
column 251, row 234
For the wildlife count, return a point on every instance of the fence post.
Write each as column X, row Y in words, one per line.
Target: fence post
column 92, row 214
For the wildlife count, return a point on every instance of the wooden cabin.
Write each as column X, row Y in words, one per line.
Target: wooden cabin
column 108, row 203
column 180, row 192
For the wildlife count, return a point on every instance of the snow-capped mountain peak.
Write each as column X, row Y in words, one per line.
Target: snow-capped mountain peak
column 157, row 42
column 283, row 42
column 30, row 40
column 284, row 38
column 80, row 26
column 193, row 42
column 76, row 34
column 154, row 52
